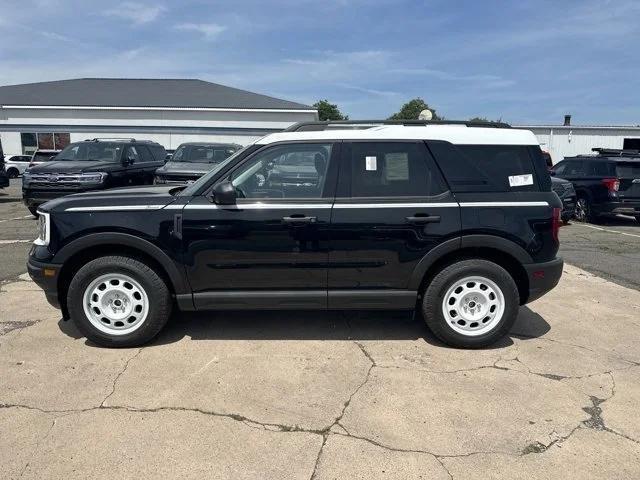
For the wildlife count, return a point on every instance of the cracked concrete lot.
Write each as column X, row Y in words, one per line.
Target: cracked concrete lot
column 326, row 395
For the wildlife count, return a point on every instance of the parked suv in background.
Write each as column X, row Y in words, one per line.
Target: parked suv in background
column 457, row 220
column 605, row 183
column 95, row 164
column 192, row 160
column 564, row 189
column 15, row 165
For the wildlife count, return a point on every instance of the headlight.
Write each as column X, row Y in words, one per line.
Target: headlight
column 44, row 229
column 92, row 177
column 157, row 180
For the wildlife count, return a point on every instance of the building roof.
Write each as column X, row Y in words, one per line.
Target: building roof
column 140, row 93
column 456, row 134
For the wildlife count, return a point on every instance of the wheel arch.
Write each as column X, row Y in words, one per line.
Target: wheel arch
column 77, row 253
column 501, row 251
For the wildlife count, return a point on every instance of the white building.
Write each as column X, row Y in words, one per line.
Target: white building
column 52, row 114
column 569, row 140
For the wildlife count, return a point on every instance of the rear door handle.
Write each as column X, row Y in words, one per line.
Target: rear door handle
column 301, row 219
column 421, row 219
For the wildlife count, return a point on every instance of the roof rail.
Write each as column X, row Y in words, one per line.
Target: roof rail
column 365, row 124
column 120, row 139
column 616, row 152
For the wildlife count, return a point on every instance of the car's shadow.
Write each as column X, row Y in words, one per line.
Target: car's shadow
column 315, row 325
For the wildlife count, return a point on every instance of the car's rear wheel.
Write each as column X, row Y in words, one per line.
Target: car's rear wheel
column 471, row 303
column 584, row 212
column 118, row 301
column 13, row 172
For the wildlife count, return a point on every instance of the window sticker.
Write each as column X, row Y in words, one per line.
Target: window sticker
column 520, row 180
column 397, row 166
column 371, row 163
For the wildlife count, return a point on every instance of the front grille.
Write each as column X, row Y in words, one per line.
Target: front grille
column 563, row 189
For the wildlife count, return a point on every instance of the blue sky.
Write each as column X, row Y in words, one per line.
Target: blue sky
column 522, row 61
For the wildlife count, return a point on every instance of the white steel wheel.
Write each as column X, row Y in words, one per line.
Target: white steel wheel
column 473, row 306
column 115, row 304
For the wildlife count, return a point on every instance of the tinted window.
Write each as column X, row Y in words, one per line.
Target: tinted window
column 287, row 171
column 145, row 153
column 392, row 169
column 132, row 154
column 628, row 169
column 203, row 153
column 473, row 168
column 599, row 169
column 574, row 168
column 560, row 168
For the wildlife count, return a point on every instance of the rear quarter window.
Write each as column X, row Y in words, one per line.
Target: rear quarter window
column 492, row 168
column 628, row 169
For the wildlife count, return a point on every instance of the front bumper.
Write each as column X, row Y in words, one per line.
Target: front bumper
column 45, row 275
column 568, row 207
column 543, row 277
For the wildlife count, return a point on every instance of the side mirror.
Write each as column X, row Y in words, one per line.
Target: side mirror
column 224, row 194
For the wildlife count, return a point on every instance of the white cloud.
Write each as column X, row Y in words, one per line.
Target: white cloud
column 136, row 13
column 209, row 30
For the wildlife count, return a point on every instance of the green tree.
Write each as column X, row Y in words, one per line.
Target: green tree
column 329, row 111
column 484, row 120
column 411, row 110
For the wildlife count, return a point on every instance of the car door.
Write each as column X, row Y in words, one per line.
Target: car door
column 392, row 207
column 270, row 249
column 133, row 165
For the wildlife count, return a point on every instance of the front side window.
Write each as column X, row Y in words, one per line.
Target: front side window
column 392, row 169
column 286, row 171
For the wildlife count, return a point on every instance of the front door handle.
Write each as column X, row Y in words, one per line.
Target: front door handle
column 299, row 219
column 422, row 219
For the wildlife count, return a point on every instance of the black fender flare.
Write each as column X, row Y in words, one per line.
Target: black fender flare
column 177, row 277
column 468, row 241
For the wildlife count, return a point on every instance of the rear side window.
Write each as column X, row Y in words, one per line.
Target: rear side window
column 599, row 169
column 628, row 169
column 392, row 169
column 495, row 168
column 573, row 168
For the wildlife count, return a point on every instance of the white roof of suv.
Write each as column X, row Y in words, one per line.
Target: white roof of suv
column 456, row 134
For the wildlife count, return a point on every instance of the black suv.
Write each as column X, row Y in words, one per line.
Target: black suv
column 564, row 189
column 606, row 183
column 92, row 165
column 192, row 160
column 458, row 221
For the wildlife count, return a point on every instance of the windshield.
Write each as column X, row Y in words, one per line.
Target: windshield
column 92, row 151
column 203, row 153
column 43, row 156
column 195, row 186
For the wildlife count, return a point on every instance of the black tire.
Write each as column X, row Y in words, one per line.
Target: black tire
column 158, row 294
column 34, row 211
column 13, row 172
column 434, row 296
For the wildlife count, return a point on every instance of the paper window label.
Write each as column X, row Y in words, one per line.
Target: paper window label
column 520, row 180
column 371, row 163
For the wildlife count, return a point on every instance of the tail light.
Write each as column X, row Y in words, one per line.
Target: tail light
column 555, row 224
column 612, row 184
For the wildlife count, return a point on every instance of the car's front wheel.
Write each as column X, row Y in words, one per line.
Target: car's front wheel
column 118, row 301
column 584, row 212
column 12, row 172
column 471, row 303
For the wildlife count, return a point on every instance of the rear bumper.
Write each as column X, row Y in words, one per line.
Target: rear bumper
column 543, row 277
column 626, row 207
column 48, row 281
